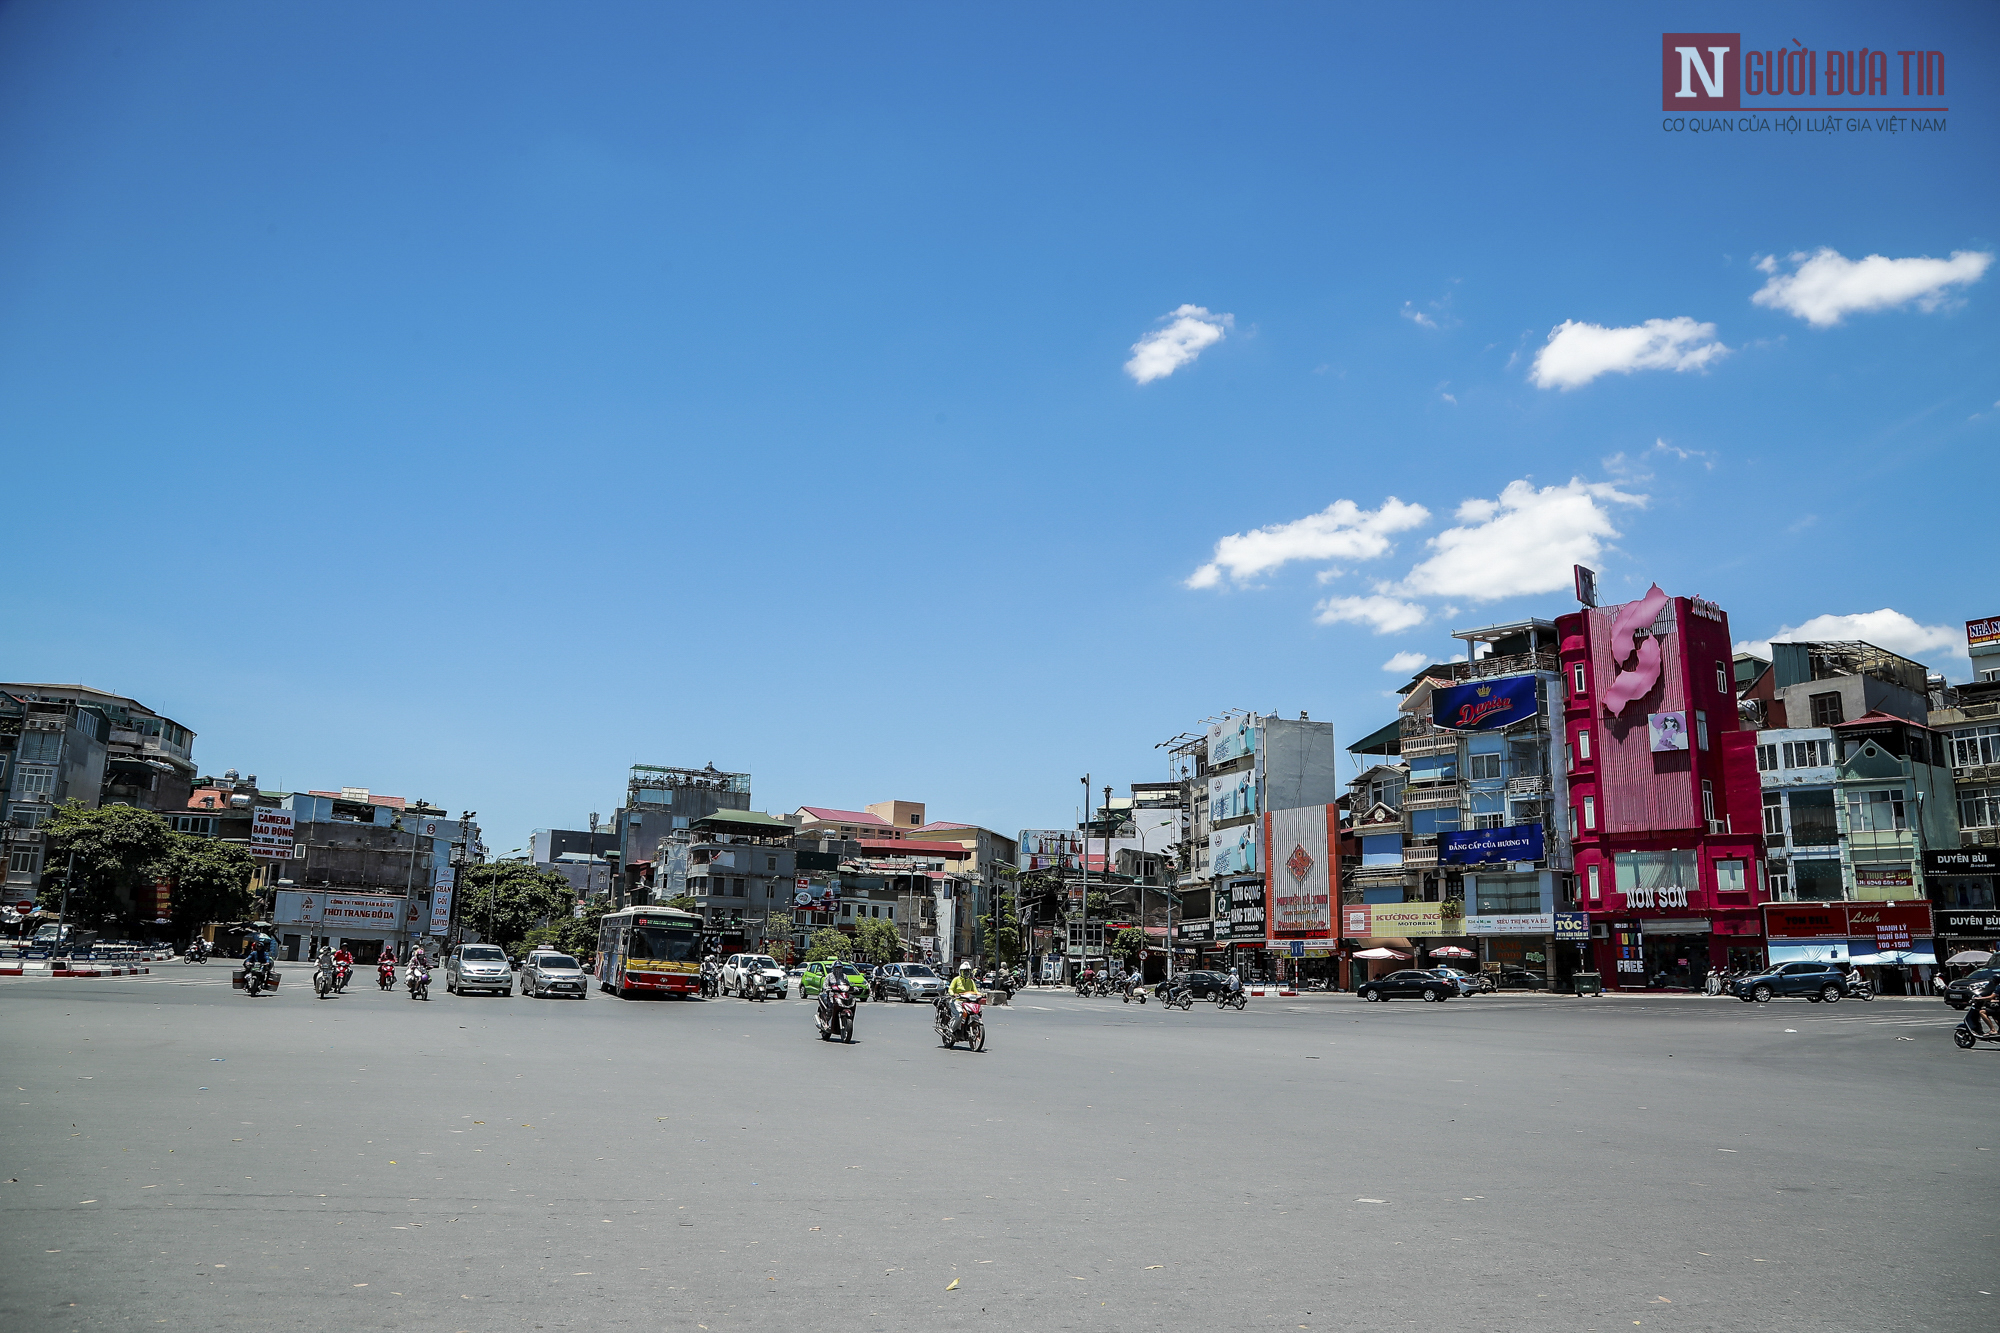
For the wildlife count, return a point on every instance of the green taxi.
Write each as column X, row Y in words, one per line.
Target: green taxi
column 814, row 979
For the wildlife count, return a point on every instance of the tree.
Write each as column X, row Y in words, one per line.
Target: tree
column 120, row 853
column 575, row 935
column 1002, row 929
column 211, row 881
column 681, row 902
column 826, row 942
column 504, row 901
column 1128, row 944
column 877, row 942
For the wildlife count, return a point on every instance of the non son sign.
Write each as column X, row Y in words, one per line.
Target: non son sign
column 1668, row 895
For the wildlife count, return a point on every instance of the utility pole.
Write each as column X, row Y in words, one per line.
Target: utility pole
column 62, row 913
column 1083, row 936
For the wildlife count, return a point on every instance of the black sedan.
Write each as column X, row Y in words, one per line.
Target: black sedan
column 1969, row 987
column 1205, row 985
column 1407, row 985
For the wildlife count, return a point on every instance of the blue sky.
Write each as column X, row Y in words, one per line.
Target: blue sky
column 467, row 401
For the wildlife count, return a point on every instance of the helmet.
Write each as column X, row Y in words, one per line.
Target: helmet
column 965, row 967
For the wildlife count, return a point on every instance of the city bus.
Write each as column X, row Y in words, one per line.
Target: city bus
column 649, row 951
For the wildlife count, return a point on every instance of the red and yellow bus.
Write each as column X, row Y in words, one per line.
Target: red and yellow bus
column 649, row 951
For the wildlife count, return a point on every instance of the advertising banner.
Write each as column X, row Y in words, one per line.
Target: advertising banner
column 1843, row 921
column 1362, row 921
column 1540, row 923
column 375, row 911
column 1232, row 738
column 1963, row 861
column 1484, row 705
column 1045, row 848
column 1239, row 910
column 1234, row 851
column 1981, row 923
column 271, row 825
column 1515, row 842
column 1979, row 633
column 1233, row 795
column 1572, row 927
column 1304, row 882
column 1195, row 932
column 441, row 892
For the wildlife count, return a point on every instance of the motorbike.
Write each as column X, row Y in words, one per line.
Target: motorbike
column 968, row 1027
column 835, row 1014
column 1177, row 996
column 1966, row 1036
column 1232, row 999
column 1861, row 989
column 708, row 983
column 255, row 977
column 322, row 982
column 419, row 982
column 342, row 974
column 1133, row 991
column 197, row 953
column 385, row 975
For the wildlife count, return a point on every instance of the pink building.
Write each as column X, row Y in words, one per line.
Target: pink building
column 1665, row 809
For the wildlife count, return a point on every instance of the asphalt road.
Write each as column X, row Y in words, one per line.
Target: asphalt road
column 181, row 1154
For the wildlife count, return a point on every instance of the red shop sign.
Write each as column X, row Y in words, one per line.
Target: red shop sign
column 1884, row 922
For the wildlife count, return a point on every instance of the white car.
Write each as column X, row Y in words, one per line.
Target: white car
column 754, row 973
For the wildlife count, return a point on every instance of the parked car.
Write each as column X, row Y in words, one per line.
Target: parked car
column 749, row 973
column 1963, row 991
column 481, row 967
column 816, row 975
column 1816, row 981
column 1468, row 983
column 1204, row 984
column 1408, row 985
column 549, row 973
column 908, row 982
column 1516, row 978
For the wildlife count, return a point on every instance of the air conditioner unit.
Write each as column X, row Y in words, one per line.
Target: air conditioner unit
column 1600, row 931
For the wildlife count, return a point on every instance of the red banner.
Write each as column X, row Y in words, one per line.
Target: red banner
column 1884, row 923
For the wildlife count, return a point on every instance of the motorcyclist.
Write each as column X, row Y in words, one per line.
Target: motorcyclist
column 258, row 956
column 963, row 987
column 199, row 949
column 708, row 974
column 1979, row 1012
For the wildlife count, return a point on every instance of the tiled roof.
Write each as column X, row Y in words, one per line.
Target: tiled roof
column 940, row 826
column 844, row 816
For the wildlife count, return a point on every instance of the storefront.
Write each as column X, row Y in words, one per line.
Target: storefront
column 1962, row 885
column 1963, row 932
column 1411, row 928
column 1891, row 941
column 361, row 923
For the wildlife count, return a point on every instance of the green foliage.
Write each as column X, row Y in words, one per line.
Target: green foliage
column 504, row 901
column 877, row 942
column 826, row 942
column 1001, row 929
column 211, row 881
column 120, row 851
column 681, row 902
column 1128, row 943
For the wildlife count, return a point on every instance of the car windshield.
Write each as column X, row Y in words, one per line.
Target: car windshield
column 760, row 962
column 556, row 960
column 482, row 953
column 669, row 944
column 918, row 970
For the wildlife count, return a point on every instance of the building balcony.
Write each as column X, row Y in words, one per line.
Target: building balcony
column 1443, row 796
column 1420, row 855
column 1513, row 664
column 1531, row 786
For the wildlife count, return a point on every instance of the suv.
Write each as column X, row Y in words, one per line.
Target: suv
column 472, row 967
column 1816, row 981
column 908, row 982
column 748, row 973
column 816, row 976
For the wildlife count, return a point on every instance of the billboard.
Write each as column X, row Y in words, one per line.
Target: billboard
column 1231, row 738
column 1233, row 851
column 1882, row 922
column 1981, row 633
column 1360, row 921
column 1515, row 842
column 1044, row 848
column 271, row 833
column 1234, row 794
column 441, row 891
column 1484, row 705
column 371, row 911
column 1239, row 909
column 1304, row 883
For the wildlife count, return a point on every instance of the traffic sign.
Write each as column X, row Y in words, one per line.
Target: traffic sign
column 25, row 905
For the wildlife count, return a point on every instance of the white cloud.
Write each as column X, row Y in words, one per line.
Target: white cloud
column 1182, row 337
column 1404, row 663
column 1578, row 353
column 1386, row 614
column 1341, row 531
column 1418, row 317
column 1826, row 285
column 1886, row 628
column 1524, row 542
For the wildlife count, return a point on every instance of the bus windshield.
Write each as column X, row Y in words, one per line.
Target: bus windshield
column 663, row 944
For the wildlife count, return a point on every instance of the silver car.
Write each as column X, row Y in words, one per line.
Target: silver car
column 552, row 974
column 481, row 967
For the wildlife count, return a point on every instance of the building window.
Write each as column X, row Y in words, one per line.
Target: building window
column 736, row 888
column 1979, row 807
column 847, row 909
column 1767, row 759
column 1569, row 759
column 1596, row 892
column 1729, row 877
column 1778, row 875
column 1573, row 825
column 192, row 824
column 1483, row 767
column 1722, row 678
column 1645, row 874
column 22, row 862
column 1590, row 812
column 1774, row 814
column 874, row 910
column 1875, row 812
column 1975, row 745
column 1583, row 746
column 770, row 863
column 1576, row 680
column 1826, row 710
column 1700, row 729
column 1708, row 800
column 889, row 912
column 1508, row 895
column 34, row 781
column 1808, row 754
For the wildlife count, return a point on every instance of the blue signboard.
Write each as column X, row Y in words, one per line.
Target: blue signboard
column 1484, row 705
column 1573, row 926
column 1516, row 842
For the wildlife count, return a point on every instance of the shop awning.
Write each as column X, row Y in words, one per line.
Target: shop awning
column 1894, row 958
column 1380, row 953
